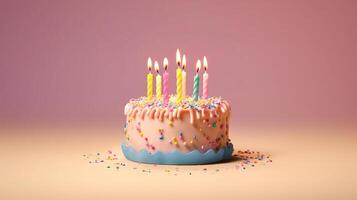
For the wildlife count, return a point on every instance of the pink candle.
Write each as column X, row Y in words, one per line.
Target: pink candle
column 205, row 79
column 166, row 82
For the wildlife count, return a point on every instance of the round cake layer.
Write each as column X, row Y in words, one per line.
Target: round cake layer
column 178, row 158
column 201, row 125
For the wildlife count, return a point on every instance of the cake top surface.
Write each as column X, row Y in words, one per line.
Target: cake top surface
column 187, row 103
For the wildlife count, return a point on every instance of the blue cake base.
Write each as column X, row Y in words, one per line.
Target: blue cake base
column 177, row 158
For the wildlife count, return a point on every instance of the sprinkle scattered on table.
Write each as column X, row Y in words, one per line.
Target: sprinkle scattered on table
column 241, row 161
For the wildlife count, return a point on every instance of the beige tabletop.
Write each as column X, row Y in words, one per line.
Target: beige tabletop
column 59, row 163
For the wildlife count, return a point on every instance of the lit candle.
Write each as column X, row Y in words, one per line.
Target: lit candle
column 158, row 81
column 149, row 80
column 183, row 77
column 166, row 82
column 205, row 79
column 178, row 78
column 196, row 85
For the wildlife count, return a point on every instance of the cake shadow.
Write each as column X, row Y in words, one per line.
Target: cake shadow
column 233, row 159
column 246, row 157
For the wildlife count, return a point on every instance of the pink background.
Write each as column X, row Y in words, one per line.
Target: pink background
column 80, row 61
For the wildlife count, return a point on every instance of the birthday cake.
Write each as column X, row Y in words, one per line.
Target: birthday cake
column 176, row 129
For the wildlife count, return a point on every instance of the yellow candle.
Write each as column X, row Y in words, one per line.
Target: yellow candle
column 149, row 79
column 178, row 78
column 158, row 81
column 178, row 85
column 183, row 77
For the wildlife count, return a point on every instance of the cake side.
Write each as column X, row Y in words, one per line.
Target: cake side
column 192, row 125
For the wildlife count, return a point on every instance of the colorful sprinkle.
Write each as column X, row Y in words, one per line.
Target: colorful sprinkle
column 214, row 125
column 210, row 103
column 181, row 137
column 244, row 160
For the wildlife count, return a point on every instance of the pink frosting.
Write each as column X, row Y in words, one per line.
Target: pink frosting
column 165, row 129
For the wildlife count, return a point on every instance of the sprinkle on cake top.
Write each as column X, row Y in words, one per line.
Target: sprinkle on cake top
column 187, row 103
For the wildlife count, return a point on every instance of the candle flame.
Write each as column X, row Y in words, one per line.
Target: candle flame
column 198, row 66
column 178, row 57
column 156, row 66
column 165, row 63
column 205, row 65
column 149, row 64
column 183, row 61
